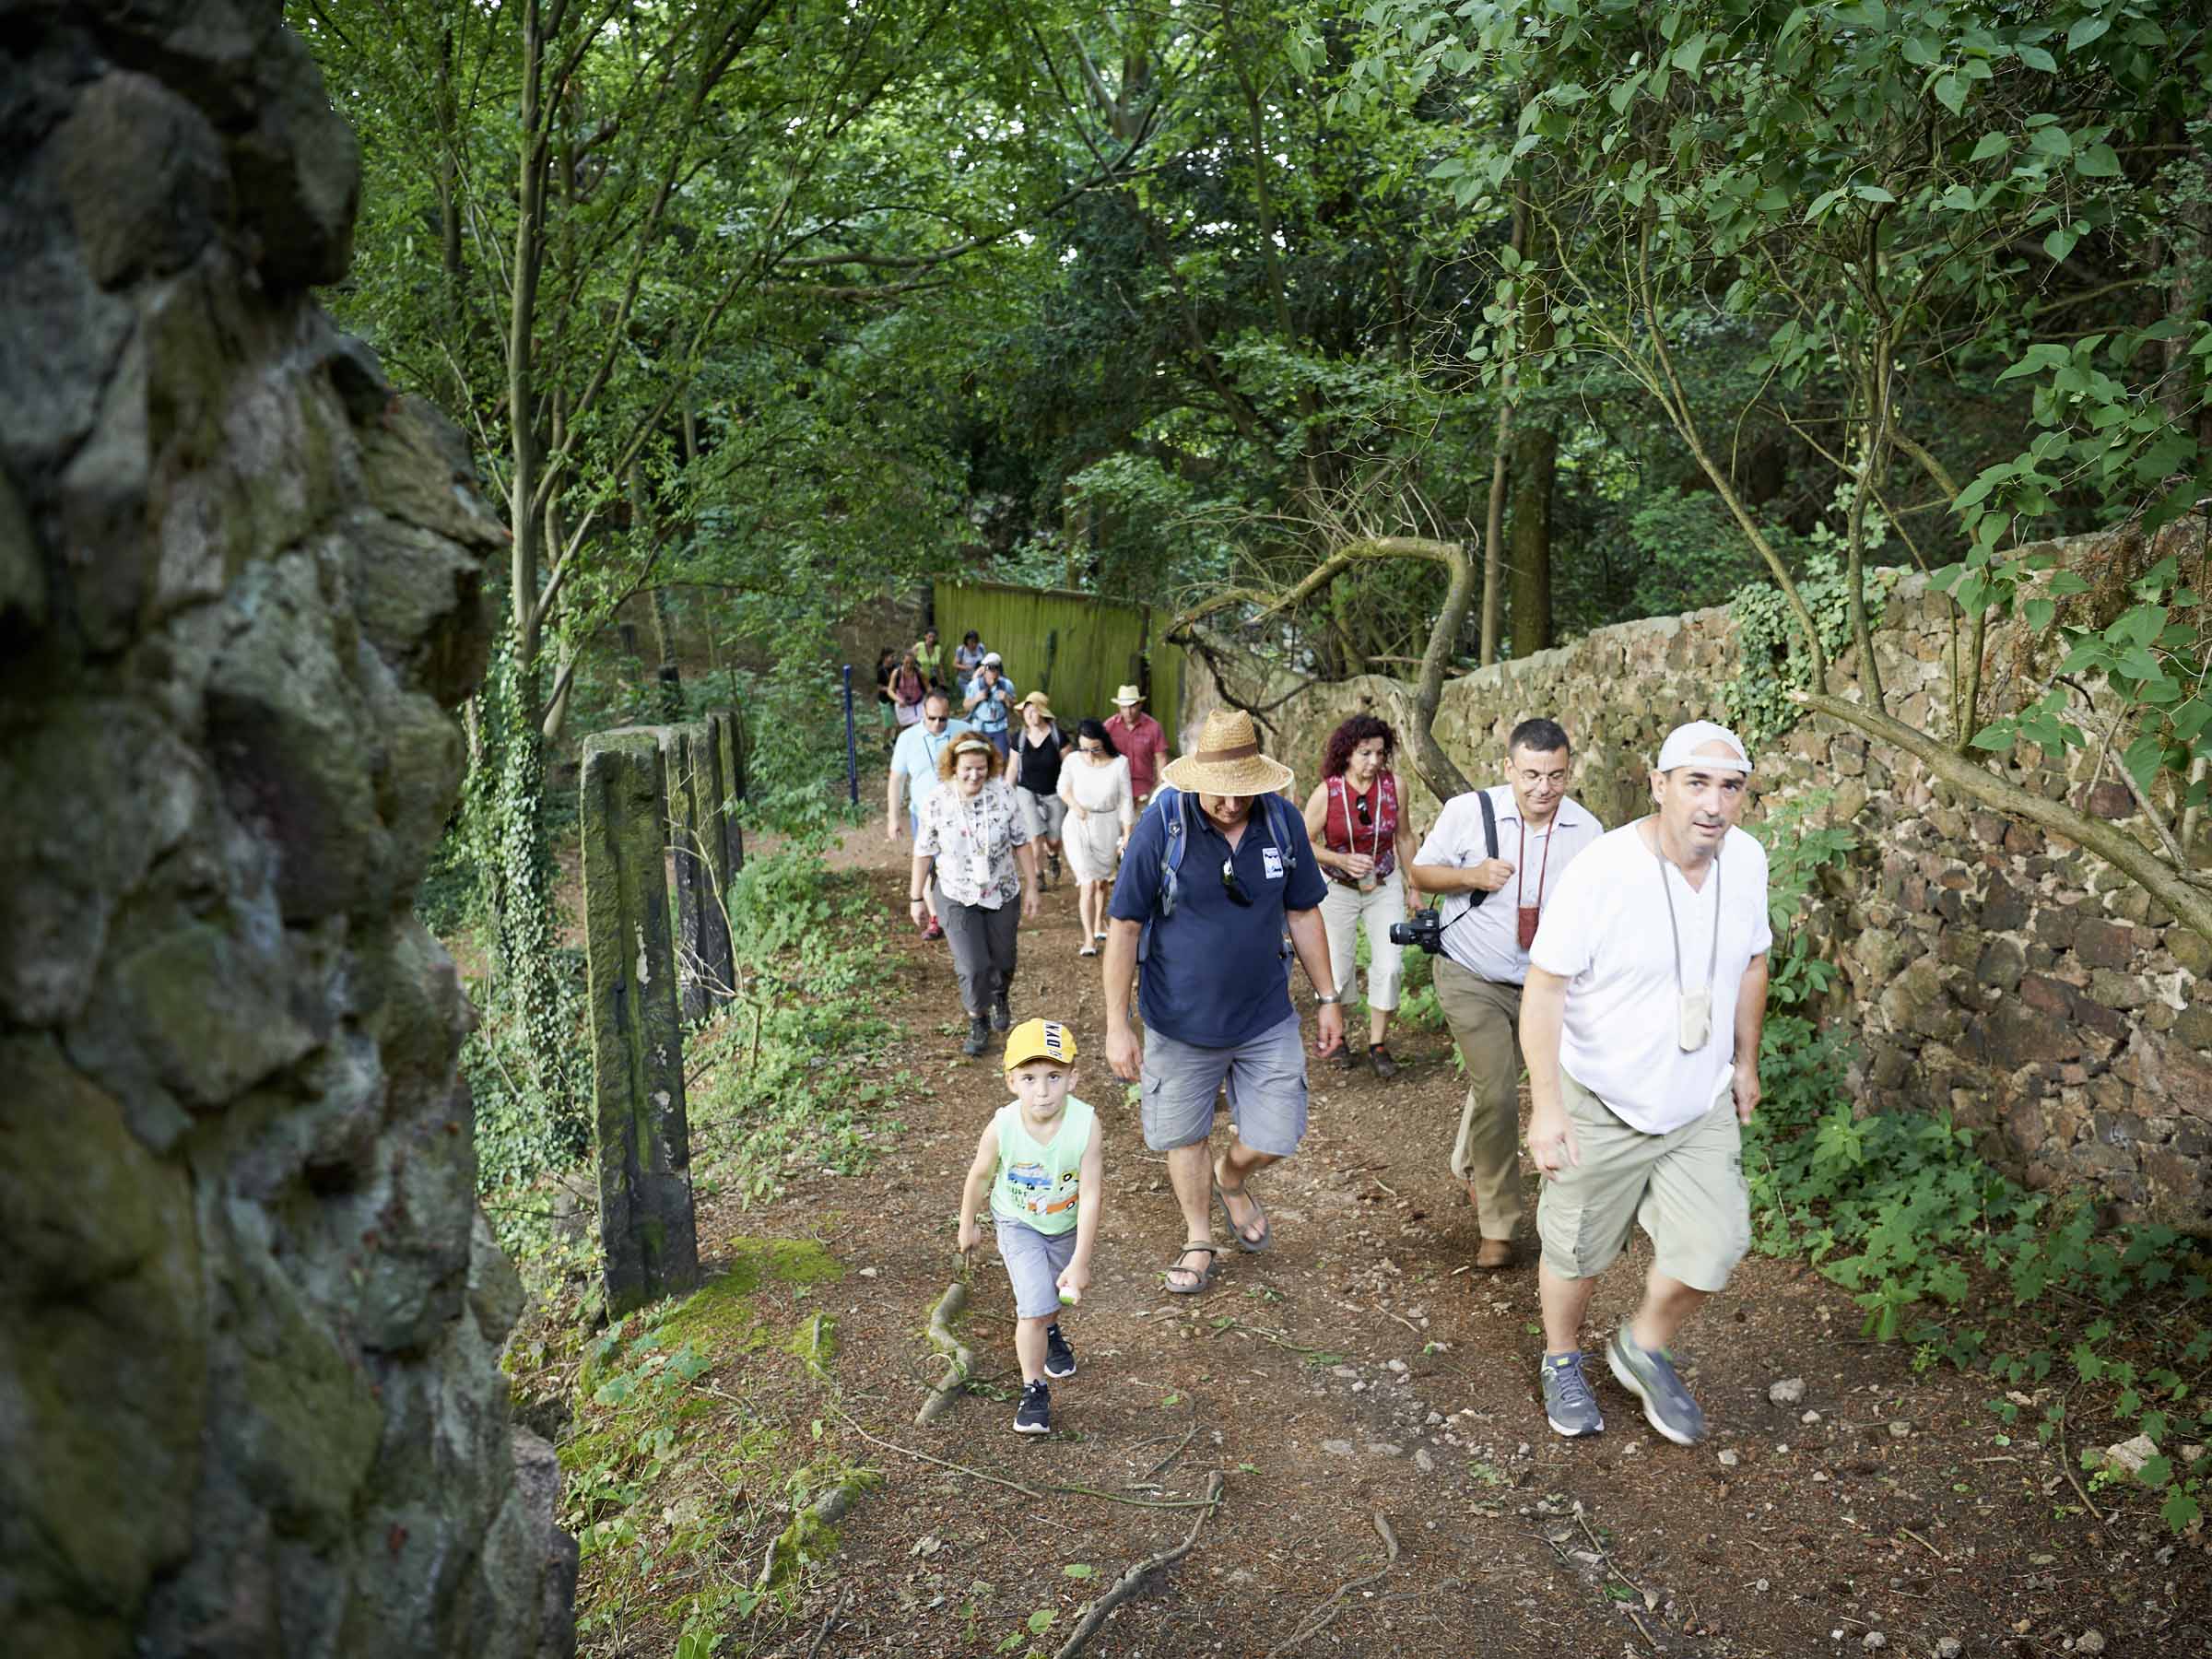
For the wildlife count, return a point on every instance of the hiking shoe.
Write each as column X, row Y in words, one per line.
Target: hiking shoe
column 1348, row 1057
column 1034, row 1415
column 1650, row 1377
column 1002, row 1017
column 1569, row 1405
column 932, row 929
column 1384, row 1065
column 979, row 1037
column 1059, row 1359
column 1052, row 867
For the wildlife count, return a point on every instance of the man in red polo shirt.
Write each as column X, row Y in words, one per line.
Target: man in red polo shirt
column 1138, row 737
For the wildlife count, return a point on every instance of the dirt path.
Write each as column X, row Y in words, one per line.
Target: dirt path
column 1361, row 1370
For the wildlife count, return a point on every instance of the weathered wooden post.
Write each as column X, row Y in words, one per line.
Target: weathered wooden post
column 704, row 967
column 729, row 749
column 646, row 1224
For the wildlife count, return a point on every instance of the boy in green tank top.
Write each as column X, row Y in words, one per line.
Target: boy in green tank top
column 1040, row 1160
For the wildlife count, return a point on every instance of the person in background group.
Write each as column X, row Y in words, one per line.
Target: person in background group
column 914, row 779
column 1033, row 769
column 887, row 712
column 929, row 657
column 1647, row 988
column 1101, row 808
column 1352, row 815
column 991, row 701
column 1216, row 875
column 1136, row 735
column 1494, row 896
column 972, row 841
column 967, row 657
column 908, row 689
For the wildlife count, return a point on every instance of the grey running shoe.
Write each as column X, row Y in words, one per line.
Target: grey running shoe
column 1650, row 1377
column 979, row 1036
column 1002, row 1017
column 1569, row 1405
column 1034, row 1415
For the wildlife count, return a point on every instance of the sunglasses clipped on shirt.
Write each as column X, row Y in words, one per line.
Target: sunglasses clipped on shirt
column 1230, row 885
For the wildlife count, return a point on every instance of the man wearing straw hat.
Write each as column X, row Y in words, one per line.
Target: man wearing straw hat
column 1138, row 739
column 1647, row 988
column 1215, row 871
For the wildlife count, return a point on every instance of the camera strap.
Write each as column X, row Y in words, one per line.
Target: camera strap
column 1694, row 1007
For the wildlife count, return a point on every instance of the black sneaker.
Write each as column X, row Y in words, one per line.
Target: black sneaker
column 1059, row 1359
column 1002, row 1017
column 1034, row 1415
column 979, row 1036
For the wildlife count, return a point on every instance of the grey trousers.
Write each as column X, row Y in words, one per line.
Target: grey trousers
column 982, row 948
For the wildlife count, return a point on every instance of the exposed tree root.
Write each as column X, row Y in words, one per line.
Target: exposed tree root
column 1325, row 1615
column 959, row 1361
column 1133, row 1580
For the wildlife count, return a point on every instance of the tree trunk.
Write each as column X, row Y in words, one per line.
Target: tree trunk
column 663, row 641
column 1535, row 460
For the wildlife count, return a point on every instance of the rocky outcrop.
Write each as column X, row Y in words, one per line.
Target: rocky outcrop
column 249, row 1313
column 1990, row 971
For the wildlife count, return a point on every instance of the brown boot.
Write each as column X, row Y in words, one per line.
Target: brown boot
column 1495, row 1253
column 1384, row 1065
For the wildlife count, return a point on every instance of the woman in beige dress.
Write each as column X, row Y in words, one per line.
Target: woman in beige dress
column 1100, row 811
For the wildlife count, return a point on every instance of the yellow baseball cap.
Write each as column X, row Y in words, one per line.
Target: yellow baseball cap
column 1039, row 1039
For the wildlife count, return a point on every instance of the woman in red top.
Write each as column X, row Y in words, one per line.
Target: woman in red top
column 1352, row 819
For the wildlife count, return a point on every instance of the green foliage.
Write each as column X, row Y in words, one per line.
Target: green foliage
column 1939, row 1247
column 1770, row 645
column 792, row 1074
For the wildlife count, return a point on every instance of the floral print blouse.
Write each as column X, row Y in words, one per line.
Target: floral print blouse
column 956, row 829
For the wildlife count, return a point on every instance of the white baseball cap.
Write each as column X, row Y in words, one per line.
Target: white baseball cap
column 1684, row 742
column 993, row 660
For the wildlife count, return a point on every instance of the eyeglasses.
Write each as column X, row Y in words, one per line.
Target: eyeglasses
column 1091, row 748
column 936, row 719
column 1230, row 883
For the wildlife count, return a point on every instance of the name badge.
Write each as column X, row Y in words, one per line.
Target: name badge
column 1271, row 860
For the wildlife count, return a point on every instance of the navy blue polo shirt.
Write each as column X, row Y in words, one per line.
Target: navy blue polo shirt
column 1215, row 976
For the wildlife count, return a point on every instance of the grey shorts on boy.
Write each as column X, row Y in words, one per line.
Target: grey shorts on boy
column 1034, row 1263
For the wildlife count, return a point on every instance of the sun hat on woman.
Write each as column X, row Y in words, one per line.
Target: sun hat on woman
column 1040, row 702
column 1228, row 760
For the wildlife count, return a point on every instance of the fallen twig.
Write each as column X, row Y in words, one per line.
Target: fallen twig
column 1172, row 1456
column 1604, row 1556
column 959, row 1361
column 1016, row 1486
column 2065, row 1463
column 834, row 1613
column 1131, row 1580
column 1916, row 1539
column 1324, row 1616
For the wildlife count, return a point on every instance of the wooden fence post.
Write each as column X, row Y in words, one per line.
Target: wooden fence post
column 648, row 1232
column 705, row 967
column 729, row 749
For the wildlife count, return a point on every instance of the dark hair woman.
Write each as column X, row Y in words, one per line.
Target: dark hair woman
column 1101, row 809
column 1352, row 817
column 887, row 712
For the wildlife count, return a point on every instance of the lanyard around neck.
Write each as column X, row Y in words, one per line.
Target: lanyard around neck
column 1520, row 869
column 1713, row 961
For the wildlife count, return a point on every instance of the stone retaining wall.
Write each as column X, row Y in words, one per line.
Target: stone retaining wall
column 1990, row 971
column 250, row 1313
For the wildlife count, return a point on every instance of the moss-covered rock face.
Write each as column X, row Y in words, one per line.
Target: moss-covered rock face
column 249, row 1402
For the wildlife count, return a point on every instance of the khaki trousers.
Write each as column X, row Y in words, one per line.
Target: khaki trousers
column 1485, row 1018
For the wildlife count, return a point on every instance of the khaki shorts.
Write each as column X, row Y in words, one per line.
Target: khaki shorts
column 1684, row 1188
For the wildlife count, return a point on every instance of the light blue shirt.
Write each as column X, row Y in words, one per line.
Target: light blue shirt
column 915, row 756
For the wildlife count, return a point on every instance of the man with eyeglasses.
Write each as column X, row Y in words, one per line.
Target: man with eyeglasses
column 1495, row 886
column 1215, row 871
column 915, row 776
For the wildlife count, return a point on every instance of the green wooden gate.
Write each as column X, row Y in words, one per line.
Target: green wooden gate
column 1076, row 648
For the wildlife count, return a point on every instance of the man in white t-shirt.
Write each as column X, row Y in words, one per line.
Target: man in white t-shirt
column 1492, row 906
column 1647, row 986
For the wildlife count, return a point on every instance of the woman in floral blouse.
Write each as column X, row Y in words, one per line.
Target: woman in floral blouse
column 973, row 835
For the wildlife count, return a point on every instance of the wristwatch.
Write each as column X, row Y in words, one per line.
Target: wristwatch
column 1334, row 996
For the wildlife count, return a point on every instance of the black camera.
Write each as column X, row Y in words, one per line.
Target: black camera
column 1426, row 929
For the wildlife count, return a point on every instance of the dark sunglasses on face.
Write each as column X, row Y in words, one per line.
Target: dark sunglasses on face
column 1230, row 886
column 936, row 719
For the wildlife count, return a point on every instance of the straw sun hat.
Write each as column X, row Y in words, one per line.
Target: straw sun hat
column 1227, row 759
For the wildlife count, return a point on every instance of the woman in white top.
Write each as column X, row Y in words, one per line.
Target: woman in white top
column 1101, row 809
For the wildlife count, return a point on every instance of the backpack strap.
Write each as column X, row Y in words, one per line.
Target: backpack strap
column 1167, row 801
column 1489, row 840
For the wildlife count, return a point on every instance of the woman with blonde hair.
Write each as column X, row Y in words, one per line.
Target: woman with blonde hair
column 973, row 839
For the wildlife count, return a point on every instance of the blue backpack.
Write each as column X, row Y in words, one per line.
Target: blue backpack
column 1167, row 801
